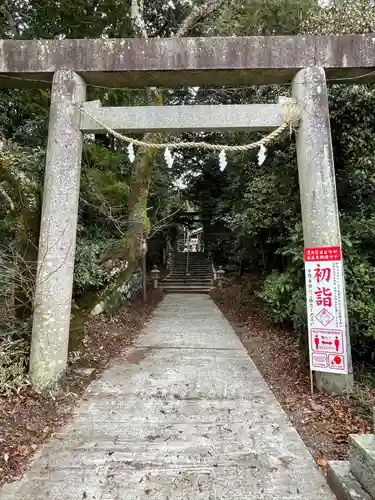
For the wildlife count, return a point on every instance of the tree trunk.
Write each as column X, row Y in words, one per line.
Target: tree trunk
column 26, row 259
column 130, row 247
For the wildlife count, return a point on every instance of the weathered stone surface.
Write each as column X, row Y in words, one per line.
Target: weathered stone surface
column 196, row 118
column 343, row 484
column 133, row 286
column 127, row 291
column 185, row 416
column 362, row 460
column 54, row 282
column 174, row 62
column 317, row 183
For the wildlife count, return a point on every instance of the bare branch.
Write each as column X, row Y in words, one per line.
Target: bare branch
column 198, row 14
column 162, row 223
column 139, row 24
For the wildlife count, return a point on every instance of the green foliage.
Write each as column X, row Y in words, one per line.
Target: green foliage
column 14, row 352
column 283, row 292
column 20, row 177
column 285, row 299
column 340, row 17
column 7, row 273
column 89, row 251
column 264, row 17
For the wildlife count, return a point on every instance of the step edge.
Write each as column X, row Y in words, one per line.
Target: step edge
column 342, row 482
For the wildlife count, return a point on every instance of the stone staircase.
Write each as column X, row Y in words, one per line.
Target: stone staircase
column 355, row 479
column 199, row 279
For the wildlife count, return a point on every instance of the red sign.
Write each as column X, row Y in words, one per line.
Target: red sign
column 327, row 341
column 322, row 253
column 336, row 362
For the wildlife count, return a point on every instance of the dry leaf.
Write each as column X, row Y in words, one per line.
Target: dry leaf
column 22, row 451
column 315, row 406
column 6, row 457
column 322, row 461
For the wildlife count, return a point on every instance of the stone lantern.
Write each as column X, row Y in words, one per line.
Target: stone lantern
column 155, row 273
column 220, row 276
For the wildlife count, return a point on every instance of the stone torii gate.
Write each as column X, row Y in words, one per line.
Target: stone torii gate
column 71, row 64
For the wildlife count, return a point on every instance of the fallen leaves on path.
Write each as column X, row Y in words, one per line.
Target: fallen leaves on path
column 28, row 419
column 323, row 421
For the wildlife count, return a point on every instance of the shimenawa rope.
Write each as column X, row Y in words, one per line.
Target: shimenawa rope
column 292, row 114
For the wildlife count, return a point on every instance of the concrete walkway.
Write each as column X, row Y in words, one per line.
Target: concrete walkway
column 187, row 416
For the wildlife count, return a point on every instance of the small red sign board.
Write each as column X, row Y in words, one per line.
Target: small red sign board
column 322, row 254
column 327, row 341
column 336, row 362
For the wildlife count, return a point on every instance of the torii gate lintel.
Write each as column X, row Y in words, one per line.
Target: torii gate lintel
column 175, row 62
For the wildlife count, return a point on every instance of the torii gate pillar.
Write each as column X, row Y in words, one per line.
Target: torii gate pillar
column 54, row 281
column 319, row 199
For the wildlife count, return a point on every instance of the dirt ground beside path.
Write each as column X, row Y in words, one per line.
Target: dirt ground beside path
column 28, row 419
column 324, row 422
